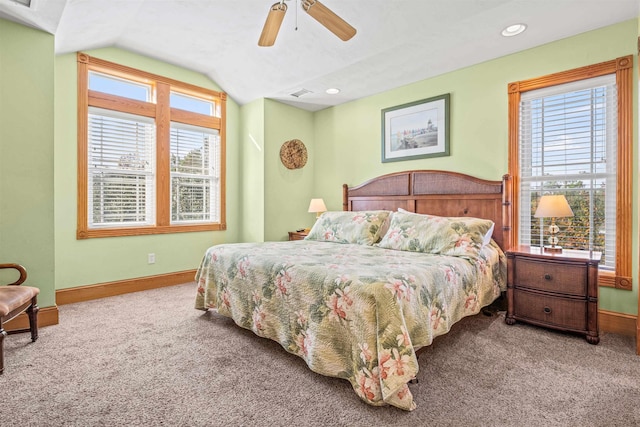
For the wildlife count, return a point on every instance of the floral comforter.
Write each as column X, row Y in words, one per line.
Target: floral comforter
column 350, row 311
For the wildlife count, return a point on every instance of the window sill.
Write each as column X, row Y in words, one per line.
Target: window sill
column 144, row 231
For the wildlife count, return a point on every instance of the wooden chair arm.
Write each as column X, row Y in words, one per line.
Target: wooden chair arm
column 21, row 270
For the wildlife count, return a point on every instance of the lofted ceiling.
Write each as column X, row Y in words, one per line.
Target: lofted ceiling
column 397, row 42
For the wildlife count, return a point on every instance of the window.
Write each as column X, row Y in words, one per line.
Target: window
column 121, row 174
column 150, row 153
column 194, row 189
column 568, row 145
column 119, row 86
column 570, row 133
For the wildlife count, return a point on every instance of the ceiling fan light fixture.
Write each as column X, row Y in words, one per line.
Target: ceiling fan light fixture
column 514, row 30
column 272, row 24
column 328, row 19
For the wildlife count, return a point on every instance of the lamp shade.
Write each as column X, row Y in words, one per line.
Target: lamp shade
column 554, row 206
column 317, row 205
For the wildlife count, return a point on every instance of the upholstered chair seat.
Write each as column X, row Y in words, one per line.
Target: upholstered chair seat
column 15, row 299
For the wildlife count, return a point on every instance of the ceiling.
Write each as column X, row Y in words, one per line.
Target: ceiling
column 397, row 42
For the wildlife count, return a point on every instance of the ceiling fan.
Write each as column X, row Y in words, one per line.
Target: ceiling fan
column 317, row 10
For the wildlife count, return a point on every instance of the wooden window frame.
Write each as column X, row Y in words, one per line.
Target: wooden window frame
column 163, row 114
column 622, row 67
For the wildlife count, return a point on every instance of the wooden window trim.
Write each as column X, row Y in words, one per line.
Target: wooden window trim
column 623, row 69
column 163, row 114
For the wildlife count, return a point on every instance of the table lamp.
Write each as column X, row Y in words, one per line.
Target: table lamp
column 553, row 206
column 317, row 206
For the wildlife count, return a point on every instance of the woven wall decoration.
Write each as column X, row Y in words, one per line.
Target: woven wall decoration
column 293, row 154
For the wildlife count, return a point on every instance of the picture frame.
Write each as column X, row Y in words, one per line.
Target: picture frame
column 416, row 130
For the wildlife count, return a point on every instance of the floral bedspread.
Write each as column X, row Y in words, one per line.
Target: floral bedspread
column 350, row 311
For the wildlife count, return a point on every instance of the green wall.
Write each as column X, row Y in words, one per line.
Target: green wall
column 26, row 154
column 287, row 191
column 99, row 260
column 350, row 133
column 274, row 199
column 252, row 171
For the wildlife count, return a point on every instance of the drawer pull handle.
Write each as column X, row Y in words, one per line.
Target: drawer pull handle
column 547, row 310
column 547, row 277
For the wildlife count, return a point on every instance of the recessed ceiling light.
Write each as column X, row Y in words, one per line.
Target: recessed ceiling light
column 514, row 30
column 332, row 90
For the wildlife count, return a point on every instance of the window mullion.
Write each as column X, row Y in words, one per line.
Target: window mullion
column 163, row 134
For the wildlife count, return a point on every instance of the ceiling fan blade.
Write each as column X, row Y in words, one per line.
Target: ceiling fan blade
column 272, row 24
column 330, row 20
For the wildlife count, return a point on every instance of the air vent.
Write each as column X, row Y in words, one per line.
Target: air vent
column 24, row 2
column 300, row 93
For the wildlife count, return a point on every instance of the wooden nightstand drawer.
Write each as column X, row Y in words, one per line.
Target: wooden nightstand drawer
column 297, row 235
column 567, row 313
column 551, row 276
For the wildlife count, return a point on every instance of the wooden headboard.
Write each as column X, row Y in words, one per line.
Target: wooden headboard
column 439, row 193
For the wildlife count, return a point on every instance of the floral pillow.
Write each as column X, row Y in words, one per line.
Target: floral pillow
column 485, row 242
column 456, row 236
column 362, row 227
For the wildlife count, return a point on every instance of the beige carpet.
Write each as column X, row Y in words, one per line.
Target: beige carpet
column 149, row 358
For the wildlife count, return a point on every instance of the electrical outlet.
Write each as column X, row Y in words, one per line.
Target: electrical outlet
column 151, row 258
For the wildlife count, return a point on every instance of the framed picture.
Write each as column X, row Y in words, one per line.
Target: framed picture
column 416, row 130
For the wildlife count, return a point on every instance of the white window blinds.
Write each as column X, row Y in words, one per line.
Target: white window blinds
column 568, row 145
column 195, row 174
column 121, row 169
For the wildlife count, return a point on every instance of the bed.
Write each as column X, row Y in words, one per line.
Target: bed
column 411, row 254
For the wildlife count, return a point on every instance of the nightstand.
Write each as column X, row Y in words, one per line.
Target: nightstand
column 298, row 235
column 554, row 290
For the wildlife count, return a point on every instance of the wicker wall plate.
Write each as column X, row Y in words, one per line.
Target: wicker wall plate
column 293, row 154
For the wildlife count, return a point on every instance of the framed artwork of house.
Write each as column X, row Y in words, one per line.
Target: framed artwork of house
column 416, row 130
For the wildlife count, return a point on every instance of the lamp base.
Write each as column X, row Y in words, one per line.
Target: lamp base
column 553, row 249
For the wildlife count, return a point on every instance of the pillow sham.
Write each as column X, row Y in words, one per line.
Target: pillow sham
column 455, row 236
column 487, row 237
column 362, row 227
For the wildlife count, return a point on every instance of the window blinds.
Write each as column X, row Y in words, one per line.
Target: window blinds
column 121, row 169
column 568, row 145
column 195, row 174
